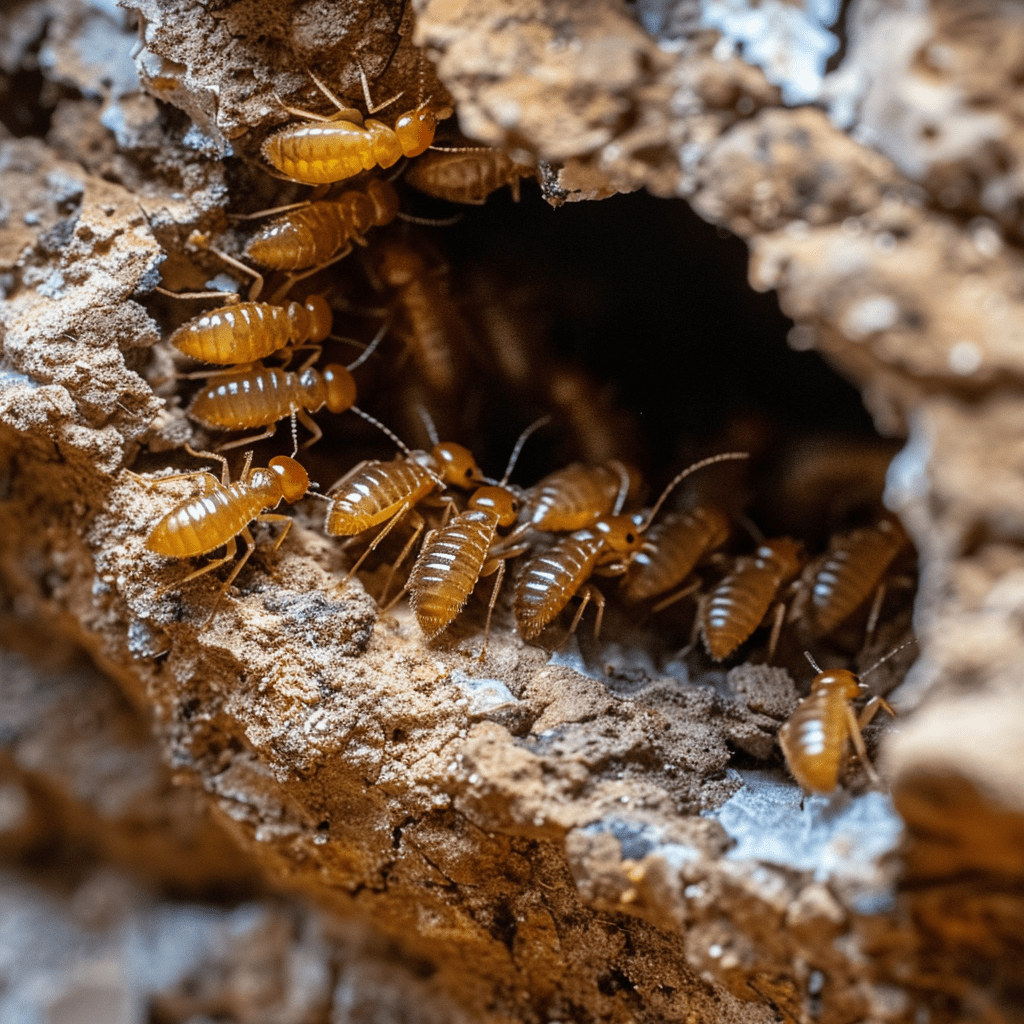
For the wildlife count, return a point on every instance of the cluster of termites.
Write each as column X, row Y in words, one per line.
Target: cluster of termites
column 581, row 534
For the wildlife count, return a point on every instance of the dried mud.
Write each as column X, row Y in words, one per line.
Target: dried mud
column 596, row 835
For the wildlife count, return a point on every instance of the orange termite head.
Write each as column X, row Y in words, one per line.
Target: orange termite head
column 340, row 386
column 837, row 680
column 321, row 319
column 293, row 478
column 456, row 465
column 415, row 130
column 619, row 533
column 499, row 500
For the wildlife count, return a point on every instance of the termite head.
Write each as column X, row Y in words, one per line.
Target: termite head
column 294, row 480
column 838, row 680
column 619, row 533
column 321, row 319
column 400, row 264
column 499, row 500
column 456, row 465
column 340, row 387
column 415, row 130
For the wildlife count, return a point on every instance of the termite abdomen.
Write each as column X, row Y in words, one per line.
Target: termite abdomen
column 737, row 605
column 466, row 176
column 313, row 234
column 852, row 569
column 247, row 331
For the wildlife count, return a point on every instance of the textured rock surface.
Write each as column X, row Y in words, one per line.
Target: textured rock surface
column 531, row 832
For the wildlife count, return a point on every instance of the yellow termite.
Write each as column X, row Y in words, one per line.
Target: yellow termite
column 550, row 579
column 325, row 149
column 215, row 518
column 816, row 736
column 258, row 396
column 576, row 496
column 313, row 234
column 466, row 175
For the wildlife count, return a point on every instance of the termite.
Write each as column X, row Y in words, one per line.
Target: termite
column 427, row 312
column 311, row 234
column 576, row 496
column 326, row 149
column 852, row 568
column 247, row 331
column 373, row 493
column 455, row 556
column 466, row 175
column 199, row 525
column 671, row 549
column 738, row 604
column 259, row 396
column 815, row 738
column 550, row 580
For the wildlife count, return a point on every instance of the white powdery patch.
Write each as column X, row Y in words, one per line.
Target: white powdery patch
column 484, row 696
column 791, row 45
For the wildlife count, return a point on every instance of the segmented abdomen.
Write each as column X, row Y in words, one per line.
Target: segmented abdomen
column 737, row 606
column 374, row 495
column 672, row 547
column 550, row 579
column 814, row 740
column 318, row 154
column 199, row 525
column 427, row 337
column 241, row 333
column 448, row 568
column 852, row 570
column 254, row 399
column 463, row 177
column 573, row 498
column 303, row 238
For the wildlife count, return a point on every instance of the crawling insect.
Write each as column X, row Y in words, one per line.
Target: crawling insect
column 454, row 557
column 815, row 738
column 851, row 570
column 311, row 234
column 326, row 149
column 466, row 175
column 259, row 396
column 247, row 331
column 549, row 580
column 424, row 307
column 671, row 549
column 375, row 492
column 576, row 496
column 737, row 605
column 197, row 526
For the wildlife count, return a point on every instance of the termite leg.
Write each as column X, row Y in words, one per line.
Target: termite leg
column 257, row 278
column 211, row 480
column 370, row 108
column 291, row 279
column 270, row 212
column 251, row 439
column 780, row 614
column 276, row 517
column 858, row 743
column 388, row 527
column 227, row 371
column 868, row 712
column 230, row 298
column 490, row 606
column 230, row 550
column 876, row 609
column 401, row 558
column 667, row 602
column 311, row 425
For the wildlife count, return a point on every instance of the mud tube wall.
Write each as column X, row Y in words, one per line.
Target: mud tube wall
column 300, row 811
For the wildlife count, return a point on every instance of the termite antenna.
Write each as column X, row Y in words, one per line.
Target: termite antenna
column 295, row 435
column 380, row 426
column 814, row 664
column 430, row 222
column 428, row 422
column 514, row 457
column 724, row 457
column 371, row 348
column 751, row 527
column 461, row 149
column 886, row 657
column 620, row 498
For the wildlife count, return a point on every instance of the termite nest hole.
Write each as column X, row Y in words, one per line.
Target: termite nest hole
column 630, row 322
